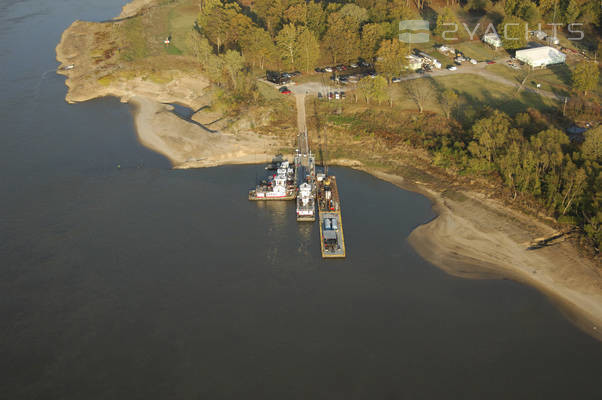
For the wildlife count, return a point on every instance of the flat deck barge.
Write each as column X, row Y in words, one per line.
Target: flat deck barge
column 332, row 240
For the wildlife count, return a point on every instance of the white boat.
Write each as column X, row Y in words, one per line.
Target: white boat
column 306, row 207
column 277, row 186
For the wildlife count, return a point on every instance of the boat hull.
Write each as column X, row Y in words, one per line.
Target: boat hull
column 253, row 197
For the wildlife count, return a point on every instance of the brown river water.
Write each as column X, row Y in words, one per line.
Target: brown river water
column 123, row 279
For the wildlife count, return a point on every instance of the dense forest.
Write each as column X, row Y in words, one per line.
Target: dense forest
column 233, row 41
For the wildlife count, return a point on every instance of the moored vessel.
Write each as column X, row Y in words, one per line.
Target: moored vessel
column 306, row 207
column 278, row 186
column 332, row 241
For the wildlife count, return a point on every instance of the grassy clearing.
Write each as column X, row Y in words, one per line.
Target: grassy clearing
column 180, row 23
column 555, row 79
column 478, row 91
column 474, row 91
column 480, row 51
column 267, row 92
column 144, row 35
column 135, row 46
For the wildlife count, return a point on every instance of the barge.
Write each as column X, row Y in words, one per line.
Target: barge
column 332, row 240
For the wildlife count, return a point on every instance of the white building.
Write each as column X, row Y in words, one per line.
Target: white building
column 492, row 39
column 414, row 62
column 540, row 56
column 540, row 35
column 446, row 50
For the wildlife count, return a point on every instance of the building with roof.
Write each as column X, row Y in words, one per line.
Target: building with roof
column 540, row 57
column 492, row 39
column 414, row 62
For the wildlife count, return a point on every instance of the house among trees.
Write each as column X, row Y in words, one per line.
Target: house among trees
column 492, row 39
column 540, row 57
column 414, row 62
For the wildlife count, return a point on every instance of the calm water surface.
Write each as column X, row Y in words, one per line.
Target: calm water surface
column 141, row 282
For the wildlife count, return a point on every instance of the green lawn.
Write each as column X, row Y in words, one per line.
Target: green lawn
column 555, row 79
column 479, row 91
column 480, row 51
column 181, row 22
column 476, row 92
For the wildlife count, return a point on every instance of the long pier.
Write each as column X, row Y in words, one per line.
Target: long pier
column 310, row 189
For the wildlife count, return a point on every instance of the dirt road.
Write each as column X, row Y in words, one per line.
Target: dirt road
column 479, row 69
column 300, row 98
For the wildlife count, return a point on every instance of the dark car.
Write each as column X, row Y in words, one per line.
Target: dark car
column 320, row 70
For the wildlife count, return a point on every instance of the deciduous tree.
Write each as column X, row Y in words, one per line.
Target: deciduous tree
column 308, row 50
column 234, row 62
column 287, row 42
column 258, row 47
column 372, row 36
column 420, row 91
column 200, row 46
column 512, row 33
column 341, row 41
column 391, row 58
column 585, row 76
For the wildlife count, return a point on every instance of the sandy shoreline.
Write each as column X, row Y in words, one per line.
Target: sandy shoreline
column 189, row 145
column 472, row 236
column 478, row 238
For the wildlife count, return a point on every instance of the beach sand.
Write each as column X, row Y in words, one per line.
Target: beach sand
column 190, row 145
column 473, row 236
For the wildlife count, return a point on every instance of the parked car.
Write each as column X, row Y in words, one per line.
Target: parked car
column 342, row 95
column 284, row 90
column 395, row 80
column 354, row 65
column 490, row 62
column 473, row 61
column 320, row 70
column 452, row 67
column 328, row 69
